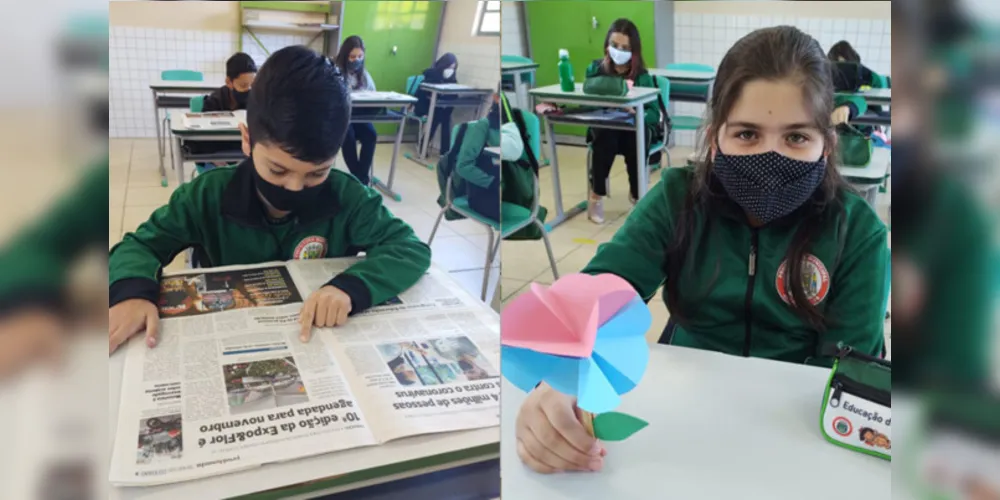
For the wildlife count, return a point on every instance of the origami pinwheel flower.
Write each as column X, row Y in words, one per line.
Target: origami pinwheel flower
column 584, row 336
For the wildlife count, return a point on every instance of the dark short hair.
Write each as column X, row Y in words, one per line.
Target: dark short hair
column 300, row 104
column 238, row 64
column 861, row 433
column 843, row 50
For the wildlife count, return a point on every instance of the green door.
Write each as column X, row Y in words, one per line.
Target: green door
column 410, row 26
column 578, row 34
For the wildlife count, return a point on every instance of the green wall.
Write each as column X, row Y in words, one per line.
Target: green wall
column 411, row 26
column 567, row 24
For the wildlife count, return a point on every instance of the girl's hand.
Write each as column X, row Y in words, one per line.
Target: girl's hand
column 630, row 84
column 550, row 437
column 630, row 110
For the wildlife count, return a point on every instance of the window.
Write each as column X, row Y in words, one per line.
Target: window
column 487, row 19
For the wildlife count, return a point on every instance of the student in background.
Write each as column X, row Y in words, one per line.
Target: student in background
column 240, row 72
column 477, row 167
column 762, row 247
column 351, row 61
column 443, row 71
column 622, row 61
column 284, row 202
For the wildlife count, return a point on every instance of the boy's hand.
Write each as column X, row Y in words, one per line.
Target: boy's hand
column 840, row 115
column 130, row 317
column 28, row 336
column 328, row 306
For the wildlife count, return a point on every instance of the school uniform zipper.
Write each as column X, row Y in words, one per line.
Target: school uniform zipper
column 843, row 384
column 748, row 301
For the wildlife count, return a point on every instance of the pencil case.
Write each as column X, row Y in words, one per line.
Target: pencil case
column 857, row 403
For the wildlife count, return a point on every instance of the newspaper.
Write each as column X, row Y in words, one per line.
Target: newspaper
column 230, row 386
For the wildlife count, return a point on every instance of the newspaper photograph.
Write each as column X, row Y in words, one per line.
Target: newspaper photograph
column 230, row 385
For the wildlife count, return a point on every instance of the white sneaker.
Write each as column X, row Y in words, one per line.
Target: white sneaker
column 595, row 209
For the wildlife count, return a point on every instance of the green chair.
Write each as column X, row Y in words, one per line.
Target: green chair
column 509, row 79
column 412, row 87
column 513, row 217
column 690, row 122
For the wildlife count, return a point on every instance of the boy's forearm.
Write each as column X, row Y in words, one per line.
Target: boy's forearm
column 387, row 270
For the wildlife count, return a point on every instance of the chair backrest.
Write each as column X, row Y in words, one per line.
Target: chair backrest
column 510, row 58
column 197, row 104
column 413, row 84
column 185, row 75
column 533, row 127
column 691, row 88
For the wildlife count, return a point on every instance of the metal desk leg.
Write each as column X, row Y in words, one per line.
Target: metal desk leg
column 522, row 91
column 159, row 141
column 387, row 187
column 179, row 160
column 430, row 125
column 640, row 149
column 557, row 185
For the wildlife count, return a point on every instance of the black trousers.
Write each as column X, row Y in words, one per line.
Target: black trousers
column 360, row 165
column 485, row 201
column 442, row 118
column 605, row 145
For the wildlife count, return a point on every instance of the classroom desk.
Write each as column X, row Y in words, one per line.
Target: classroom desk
column 519, row 71
column 687, row 77
column 162, row 99
column 183, row 134
column 636, row 98
column 331, row 473
column 395, row 105
column 874, row 97
column 379, row 100
column 465, row 97
column 867, row 179
column 720, row 427
column 873, row 119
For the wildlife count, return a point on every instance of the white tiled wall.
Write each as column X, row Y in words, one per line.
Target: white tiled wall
column 705, row 38
column 512, row 30
column 138, row 55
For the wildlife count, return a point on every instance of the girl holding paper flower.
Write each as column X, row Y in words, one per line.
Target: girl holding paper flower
column 719, row 236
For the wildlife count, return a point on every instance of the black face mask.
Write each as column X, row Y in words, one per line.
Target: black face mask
column 284, row 199
column 241, row 98
column 355, row 65
column 769, row 185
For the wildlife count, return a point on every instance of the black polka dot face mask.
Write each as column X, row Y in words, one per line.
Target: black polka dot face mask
column 768, row 185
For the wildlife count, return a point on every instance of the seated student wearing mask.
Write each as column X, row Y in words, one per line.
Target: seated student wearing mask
column 285, row 194
column 240, row 72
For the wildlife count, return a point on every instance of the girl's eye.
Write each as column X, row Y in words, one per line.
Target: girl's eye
column 746, row 135
column 797, row 139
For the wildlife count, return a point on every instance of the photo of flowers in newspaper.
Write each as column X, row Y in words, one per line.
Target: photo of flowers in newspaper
column 200, row 293
column 263, row 385
column 438, row 361
column 160, row 439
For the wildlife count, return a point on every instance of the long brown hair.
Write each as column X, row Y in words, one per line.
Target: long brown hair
column 629, row 29
column 776, row 53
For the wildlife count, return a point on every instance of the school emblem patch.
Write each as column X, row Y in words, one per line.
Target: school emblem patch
column 313, row 247
column 842, row 426
column 815, row 280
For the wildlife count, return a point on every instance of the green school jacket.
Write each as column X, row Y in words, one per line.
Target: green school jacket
column 478, row 135
column 33, row 265
column 220, row 214
column 730, row 286
column 599, row 83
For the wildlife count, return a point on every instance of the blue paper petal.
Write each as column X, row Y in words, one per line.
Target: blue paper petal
column 633, row 320
column 523, row 367
column 596, row 394
column 623, row 360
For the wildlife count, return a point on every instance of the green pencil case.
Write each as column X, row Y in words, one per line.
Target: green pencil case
column 857, row 403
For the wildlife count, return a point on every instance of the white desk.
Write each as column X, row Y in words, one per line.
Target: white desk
column 636, row 98
column 160, row 89
column 519, row 71
column 720, row 427
column 184, row 134
column 431, row 452
column 395, row 105
column 867, row 179
column 683, row 75
column 877, row 97
column 447, row 89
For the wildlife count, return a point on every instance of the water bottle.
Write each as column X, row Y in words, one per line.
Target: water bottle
column 566, row 82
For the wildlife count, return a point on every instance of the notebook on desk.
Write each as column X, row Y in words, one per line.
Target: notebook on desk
column 216, row 120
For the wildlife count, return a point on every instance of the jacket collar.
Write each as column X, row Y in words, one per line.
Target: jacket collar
column 242, row 204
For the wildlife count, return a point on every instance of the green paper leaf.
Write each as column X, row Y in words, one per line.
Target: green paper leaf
column 615, row 426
